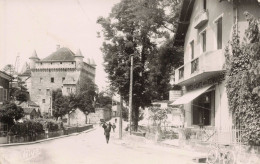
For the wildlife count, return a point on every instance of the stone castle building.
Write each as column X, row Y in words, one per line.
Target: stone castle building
column 62, row 69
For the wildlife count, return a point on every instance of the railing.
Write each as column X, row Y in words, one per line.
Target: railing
column 223, row 136
column 181, row 72
column 195, row 65
column 209, row 61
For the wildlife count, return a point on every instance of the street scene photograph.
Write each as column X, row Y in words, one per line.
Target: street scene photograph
column 129, row 81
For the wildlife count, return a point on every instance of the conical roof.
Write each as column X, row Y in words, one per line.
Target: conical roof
column 92, row 62
column 79, row 54
column 62, row 54
column 34, row 55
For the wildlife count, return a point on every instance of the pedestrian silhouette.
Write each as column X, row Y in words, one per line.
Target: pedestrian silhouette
column 107, row 129
column 114, row 127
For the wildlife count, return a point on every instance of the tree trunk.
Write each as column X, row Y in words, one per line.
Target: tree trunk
column 135, row 118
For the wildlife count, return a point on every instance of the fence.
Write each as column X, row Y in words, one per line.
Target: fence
column 221, row 136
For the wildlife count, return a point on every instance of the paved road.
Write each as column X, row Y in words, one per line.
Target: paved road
column 91, row 148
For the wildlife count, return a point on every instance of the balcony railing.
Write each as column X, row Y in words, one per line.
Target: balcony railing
column 181, row 72
column 195, row 65
column 200, row 19
column 207, row 62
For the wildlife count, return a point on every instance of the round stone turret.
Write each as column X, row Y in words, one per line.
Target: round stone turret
column 79, row 59
column 33, row 59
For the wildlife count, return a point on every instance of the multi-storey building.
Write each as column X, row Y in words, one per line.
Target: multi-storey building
column 4, row 86
column 204, row 29
column 62, row 69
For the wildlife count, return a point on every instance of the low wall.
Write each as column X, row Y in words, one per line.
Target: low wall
column 41, row 136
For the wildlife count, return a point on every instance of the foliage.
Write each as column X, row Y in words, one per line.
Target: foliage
column 158, row 115
column 136, row 27
column 29, row 127
column 83, row 99
column 243, row 79
column 10, row 112
column 103, row 101
column 59, row 104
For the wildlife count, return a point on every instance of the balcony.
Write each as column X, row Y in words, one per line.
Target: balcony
column 201, row 18
column 205, row 66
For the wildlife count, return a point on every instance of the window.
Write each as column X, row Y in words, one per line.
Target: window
column 60, row 62
column 40, row 79
column 204, row 4
column 192, row 49
column 63, row 78
column 1, row 94
column 68, row 90
column 39, row 90
column 203, row 35
column 72, row 62
column 47, row 91
column 203, row 108
column 219, row 33
column 43, row 100
column 5, row 94
column 52, row 80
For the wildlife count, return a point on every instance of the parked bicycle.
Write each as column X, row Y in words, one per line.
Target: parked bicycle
column 221, row 154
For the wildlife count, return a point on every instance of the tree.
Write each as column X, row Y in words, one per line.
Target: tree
column 10, row 112
column 243, row 79
column 86, row 95
column 59, row 104
column 134, row 27
column 104, row 101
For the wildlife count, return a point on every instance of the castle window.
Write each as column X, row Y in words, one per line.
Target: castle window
column 52, row 80
column 72, row 62
column 47, row 91
column 41, row 63
column 40, row 79
column 60, row 62
column 43, row 100
column 51, row 63
column 68, row 90
column 39, row 90
column 63, row 78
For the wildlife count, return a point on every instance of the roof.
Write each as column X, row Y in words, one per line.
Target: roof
column 32, row 103
column 71, row 78
column 62, row 54
column 28, row 110
column 184, row 21
column 34, row 55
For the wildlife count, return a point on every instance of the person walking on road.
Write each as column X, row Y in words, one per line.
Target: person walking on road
column 107, row 129
column 114, row 127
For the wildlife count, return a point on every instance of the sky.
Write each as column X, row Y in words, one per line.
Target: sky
column 28, row 25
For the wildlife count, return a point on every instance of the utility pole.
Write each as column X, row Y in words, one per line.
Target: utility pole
column 131, row 95
column 120, row 117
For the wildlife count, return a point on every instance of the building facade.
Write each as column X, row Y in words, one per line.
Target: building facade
column 4, row 87
column 63, row 70
column 204, row 29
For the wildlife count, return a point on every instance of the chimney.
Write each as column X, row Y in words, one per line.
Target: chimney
column 57, row 47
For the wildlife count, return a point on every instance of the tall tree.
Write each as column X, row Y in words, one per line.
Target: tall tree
column 10, row 112
column 134, row 27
